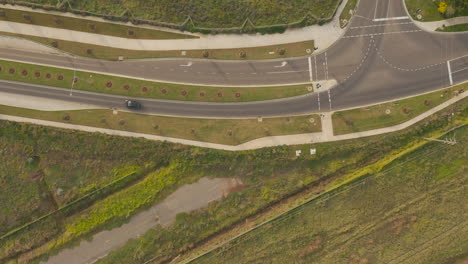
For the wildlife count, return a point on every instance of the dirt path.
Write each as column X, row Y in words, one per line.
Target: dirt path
column 187, row 198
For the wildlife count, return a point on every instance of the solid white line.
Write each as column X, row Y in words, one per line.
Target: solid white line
column 460, row 70
column 318, row 99
column 390, row 18
column 381, row 25
column 383, row 33
column 282, row 72
column 376, row 5
column 450, row 72
column 310, row 68
column 326, row 66
column 316, row 71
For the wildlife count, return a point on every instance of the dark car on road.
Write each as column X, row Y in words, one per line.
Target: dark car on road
column 132, row 104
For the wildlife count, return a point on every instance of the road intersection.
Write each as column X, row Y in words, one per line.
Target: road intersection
column 382, row 56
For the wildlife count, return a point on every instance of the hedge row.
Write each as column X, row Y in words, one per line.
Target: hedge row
column 187, row 25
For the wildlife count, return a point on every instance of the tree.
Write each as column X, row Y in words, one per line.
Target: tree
column 442, row 7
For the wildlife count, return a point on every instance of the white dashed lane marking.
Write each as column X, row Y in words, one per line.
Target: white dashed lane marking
column 362, row 61
column 403, row 69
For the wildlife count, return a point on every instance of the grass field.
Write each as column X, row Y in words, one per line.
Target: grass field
column 80, row 163
column 429, row 12
column 223, row 131
column 101, row 83
column 345, row 14
column 90, row 26
column 295, row 49
column 389, row 114
column 414, row 211
column 156, row 245
column 210, row 13
column 454, row 28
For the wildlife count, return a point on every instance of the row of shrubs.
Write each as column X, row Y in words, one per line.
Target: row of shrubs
column 188, row 25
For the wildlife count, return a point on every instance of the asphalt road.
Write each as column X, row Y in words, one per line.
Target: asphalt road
column 382, row 56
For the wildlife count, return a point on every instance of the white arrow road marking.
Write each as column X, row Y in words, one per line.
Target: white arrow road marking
column 284, row 63
column 186, row 65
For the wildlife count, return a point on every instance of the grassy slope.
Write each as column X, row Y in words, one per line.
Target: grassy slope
column 223, row 131
column 295, row 49
column 111, row 29
column 375, row 116
column 211, row 13
column 165, row 244
column 415, row 209
column 429, row 9
column 267, row 166
column 98, row 83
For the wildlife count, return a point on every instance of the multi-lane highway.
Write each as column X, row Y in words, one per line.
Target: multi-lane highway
column 381, row 56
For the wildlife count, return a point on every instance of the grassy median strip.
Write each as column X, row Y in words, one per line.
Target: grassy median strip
column 454, row 28
column 85, row 25
column 348, row 12
column 430, row 10
column 390, row 114
column 223, row 131
column 295, row 49
column 102, row 83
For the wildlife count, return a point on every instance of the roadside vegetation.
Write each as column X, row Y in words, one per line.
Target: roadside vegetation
column 295, row 49
column 222, row 131
column 204, row 15
column 392, row 113
column 348, row 12
column 85, row 176
column 100, row 83
column 84, row 25
column 156, row 245
column 416, row 212
column 434, row 10
column 454, row 28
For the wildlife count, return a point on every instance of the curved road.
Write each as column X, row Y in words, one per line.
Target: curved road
column 382, row 56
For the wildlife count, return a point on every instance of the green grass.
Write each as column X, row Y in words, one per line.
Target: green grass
column 157, row 245
column 376, row 116
column 223, row 131
column 407, row 213
column 295, row 49
column 83, row 25
column 345, row 14
column 270, row 175
column 138, row 88
column 429, row 9
column 211, row 13
column 454, row 28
